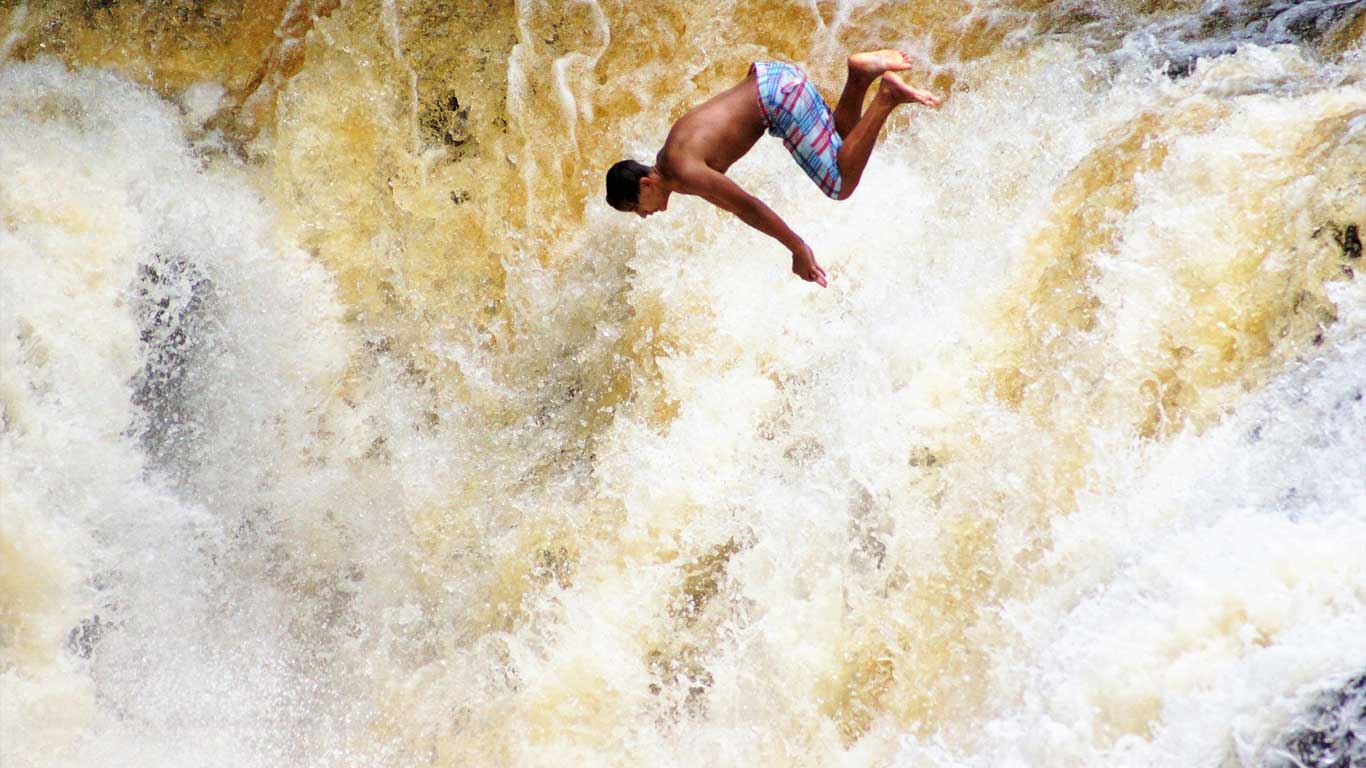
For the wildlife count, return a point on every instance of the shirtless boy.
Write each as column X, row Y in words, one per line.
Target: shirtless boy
column 777, row 97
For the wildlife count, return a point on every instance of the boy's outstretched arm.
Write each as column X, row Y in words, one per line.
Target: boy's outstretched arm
column 719, row 190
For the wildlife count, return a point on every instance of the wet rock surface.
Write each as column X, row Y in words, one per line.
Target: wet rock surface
column 174, row 298
column 446, row 122
column 1222, row 28
column 1332, row 733
column 1348, row 239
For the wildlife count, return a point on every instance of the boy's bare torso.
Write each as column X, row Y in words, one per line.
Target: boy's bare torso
column 716, row 133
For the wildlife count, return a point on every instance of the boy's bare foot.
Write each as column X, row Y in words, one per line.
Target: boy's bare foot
column 874, row 63
column 892, row 88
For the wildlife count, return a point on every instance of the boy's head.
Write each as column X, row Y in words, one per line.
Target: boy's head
column 635, row 188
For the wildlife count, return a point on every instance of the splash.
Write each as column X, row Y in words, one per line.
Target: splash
column 344, row 426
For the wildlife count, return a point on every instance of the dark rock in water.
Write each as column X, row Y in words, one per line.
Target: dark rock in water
column 446, row 122
column 1221, row 28
column 173, row 297
column 91, row 8
column 1180, row 68
column 1346, row 237
column 1349, row 240
column 1331, row 734
column 922, row 456
column 83, row 638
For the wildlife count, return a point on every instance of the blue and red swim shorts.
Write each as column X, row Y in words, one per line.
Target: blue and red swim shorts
column 795, row 112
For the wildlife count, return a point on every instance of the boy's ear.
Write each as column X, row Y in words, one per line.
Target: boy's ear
column 647, row 181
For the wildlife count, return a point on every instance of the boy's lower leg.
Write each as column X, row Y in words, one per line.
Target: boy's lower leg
column 858, row 145
column 850, row 106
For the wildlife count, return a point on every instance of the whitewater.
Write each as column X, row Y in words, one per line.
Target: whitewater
column 343, row 424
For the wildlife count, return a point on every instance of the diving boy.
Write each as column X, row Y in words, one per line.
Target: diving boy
column 832, row 148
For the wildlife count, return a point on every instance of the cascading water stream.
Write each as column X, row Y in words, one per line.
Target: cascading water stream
column 344, row 425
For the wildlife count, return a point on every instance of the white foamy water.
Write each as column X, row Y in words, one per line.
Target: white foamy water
column 1064, row 468
column 110, row 222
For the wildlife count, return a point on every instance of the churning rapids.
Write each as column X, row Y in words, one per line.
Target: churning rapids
column 344, row 425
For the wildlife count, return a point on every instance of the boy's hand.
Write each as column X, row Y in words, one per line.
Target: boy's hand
column 804, row 266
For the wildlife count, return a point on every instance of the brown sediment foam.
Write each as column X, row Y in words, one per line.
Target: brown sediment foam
column 466, row 51
column 1347, row 35
column 167, row 45
column 1088, row 209
column 1233, row 331
column 516, row 116
column 492, row 80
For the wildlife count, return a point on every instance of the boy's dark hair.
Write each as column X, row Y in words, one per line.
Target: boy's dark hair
column 623, row 184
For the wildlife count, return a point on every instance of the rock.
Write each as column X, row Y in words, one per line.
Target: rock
column 1331, row 734
column 1348, row 239
column 82, row 639
column 446, row 122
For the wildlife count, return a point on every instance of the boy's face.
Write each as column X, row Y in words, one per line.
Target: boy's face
column 651, row 198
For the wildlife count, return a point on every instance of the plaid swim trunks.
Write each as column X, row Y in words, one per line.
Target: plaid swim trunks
column 795, row 112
